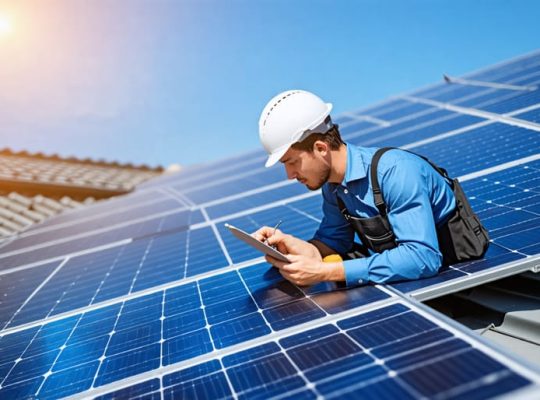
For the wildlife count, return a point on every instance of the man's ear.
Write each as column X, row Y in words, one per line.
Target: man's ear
column 321, row 147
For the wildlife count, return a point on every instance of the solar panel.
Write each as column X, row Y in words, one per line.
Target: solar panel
column 533, row 116
column 150, row 296
column 96, row 223
column 395, row 351
column 170, row 326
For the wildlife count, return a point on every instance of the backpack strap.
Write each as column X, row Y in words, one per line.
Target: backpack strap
column 377, row 194
column 343, row 208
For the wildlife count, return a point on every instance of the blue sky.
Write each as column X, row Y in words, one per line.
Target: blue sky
column 161, row 82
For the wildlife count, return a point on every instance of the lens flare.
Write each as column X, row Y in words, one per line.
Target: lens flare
column 6, row 27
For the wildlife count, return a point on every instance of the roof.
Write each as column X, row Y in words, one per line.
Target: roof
column 34, row 187
column 53, row 176
column 18, row 212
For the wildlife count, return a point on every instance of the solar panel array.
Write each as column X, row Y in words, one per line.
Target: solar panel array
column 149, row 296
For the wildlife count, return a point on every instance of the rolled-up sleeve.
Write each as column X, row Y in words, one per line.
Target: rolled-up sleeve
column 406, row 192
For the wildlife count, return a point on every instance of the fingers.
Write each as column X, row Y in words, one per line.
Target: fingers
column 282, row 266
column 265, row 233
column 275, row 237
column 274, row 261
column 293, row 278
column 294, row 258
column 290, row 272
column 262, row 233
column 281, row 242
column 287, row 276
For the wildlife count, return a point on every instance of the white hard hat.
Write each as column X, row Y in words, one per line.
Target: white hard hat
column 290, row 117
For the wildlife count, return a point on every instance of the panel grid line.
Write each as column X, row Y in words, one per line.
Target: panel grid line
column 478, row 113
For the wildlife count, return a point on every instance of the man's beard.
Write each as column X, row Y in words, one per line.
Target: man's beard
column 323, row 175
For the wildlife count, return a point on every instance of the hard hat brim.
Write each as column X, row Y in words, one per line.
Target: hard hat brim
column 276, row 156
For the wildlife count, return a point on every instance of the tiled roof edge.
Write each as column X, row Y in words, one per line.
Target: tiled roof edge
column 74, row 160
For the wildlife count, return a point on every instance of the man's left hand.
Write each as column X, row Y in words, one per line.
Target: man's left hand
column 302, row 270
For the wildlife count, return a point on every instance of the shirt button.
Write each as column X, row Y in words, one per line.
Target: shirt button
column 345, row 191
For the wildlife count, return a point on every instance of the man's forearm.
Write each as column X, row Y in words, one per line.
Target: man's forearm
column 334, row 271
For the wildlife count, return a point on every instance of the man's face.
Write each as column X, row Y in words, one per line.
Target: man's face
column 308, row 168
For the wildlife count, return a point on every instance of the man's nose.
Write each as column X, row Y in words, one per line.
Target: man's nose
column 291, row 173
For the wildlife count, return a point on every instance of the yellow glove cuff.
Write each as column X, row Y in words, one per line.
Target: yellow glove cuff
column 332, row 258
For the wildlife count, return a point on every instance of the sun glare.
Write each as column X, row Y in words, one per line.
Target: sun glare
column 5, row 26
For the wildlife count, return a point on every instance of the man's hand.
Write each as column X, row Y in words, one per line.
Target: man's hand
column 306, row 266
column 287, row 244
column 302, row 270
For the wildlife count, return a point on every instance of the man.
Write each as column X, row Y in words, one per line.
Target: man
column 296, row 129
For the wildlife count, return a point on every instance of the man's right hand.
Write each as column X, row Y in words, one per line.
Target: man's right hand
column 286, row 244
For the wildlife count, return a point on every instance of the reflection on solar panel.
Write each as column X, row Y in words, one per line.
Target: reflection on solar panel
column 150, row 296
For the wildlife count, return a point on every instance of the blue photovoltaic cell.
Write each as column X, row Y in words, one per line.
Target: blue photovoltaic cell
column 240, row 357
column 343, row 119
column 450, row 93
column 122, row 270
column 427, row 116
column 98, row 223
column 532, row 116
column 499, row 143
column 74, row 285
column 430, row 123
column 503, row 100
column 121, row 340
column 392, row 352
column 211, row 387
column 477, row 96
column 454, row 92
column 176, row 221
column 148, row 389
column 384, row 106
column 255, row 200
column 400, row 109
column 355, row 127
column 498, row 72
column 247, row 180
column 509, row 203
column 515, row 103
column 16, row 287
column 196, row 175
column 75, row 245
column 311, row 206
column 400, row 137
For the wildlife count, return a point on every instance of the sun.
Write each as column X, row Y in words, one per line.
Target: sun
column 6, row 27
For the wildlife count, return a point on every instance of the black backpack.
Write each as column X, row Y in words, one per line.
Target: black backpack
column 461, row 238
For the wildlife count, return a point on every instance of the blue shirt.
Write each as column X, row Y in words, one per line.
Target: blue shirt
column 417, row 199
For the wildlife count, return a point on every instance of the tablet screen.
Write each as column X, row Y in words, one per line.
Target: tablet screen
column 262, row 247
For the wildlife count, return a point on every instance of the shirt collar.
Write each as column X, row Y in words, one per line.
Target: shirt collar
column 355, row 168
column 355, row 165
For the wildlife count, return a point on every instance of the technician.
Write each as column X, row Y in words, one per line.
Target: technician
column 401, row 239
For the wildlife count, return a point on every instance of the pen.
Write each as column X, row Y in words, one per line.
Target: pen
column 273, row 233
